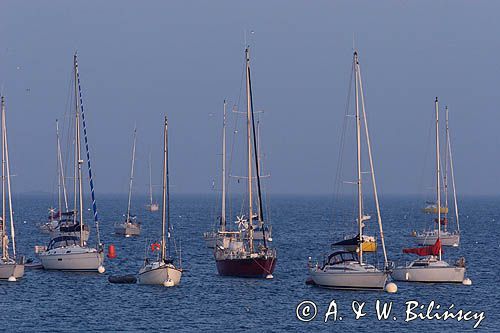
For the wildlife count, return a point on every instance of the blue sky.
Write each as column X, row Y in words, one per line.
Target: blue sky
column 140, row 60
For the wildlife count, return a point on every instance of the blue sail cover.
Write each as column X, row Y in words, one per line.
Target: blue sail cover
column 94, row 205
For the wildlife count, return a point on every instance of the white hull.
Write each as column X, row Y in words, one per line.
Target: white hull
column 128, row 229
column 430, row 238
column 153, row 207
column 349, row 279
column 11, row 269
column 157, row 273
column 72, row 258
column 437, row 271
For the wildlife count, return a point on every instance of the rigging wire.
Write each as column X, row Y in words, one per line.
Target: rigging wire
column 338, row 172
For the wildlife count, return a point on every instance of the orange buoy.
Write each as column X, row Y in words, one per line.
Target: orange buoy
column 111, row 251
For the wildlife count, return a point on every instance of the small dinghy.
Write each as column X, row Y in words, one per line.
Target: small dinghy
column 130, row 278
column 32, row 264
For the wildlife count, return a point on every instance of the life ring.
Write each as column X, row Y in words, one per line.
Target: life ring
column 155, row 246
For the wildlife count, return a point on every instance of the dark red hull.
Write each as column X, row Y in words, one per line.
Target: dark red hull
column 250, row 267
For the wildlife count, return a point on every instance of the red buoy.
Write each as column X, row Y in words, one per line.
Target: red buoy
column 111, row 251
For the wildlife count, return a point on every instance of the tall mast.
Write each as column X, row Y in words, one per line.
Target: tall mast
column 78, row 158
column 59, row 201
column 452, row 175
column 168, row 198
column 61, row 171
column 372, row 169
column 249, row 148
column 164, row 195
column 259, row 167
column 9, row 193
column 77, row 121
column 358, row 147
column 4, row 233
column 223, row 208
column 445, row 176
column 150, row 184
column 257, row 161
column 89, row 166
column 438, row 174
column 131, row 177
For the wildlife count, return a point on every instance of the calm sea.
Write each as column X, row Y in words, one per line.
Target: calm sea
column 302, row 226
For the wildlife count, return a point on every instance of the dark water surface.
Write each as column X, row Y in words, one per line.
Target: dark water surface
column 302, row 227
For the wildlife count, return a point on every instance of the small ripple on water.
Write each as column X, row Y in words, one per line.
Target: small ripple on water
column 58, row 301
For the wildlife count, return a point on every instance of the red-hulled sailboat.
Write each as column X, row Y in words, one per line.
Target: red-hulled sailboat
column 242, row 253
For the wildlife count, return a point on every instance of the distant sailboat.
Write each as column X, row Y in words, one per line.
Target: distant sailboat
column 55, row 215
column 10, row 267
column 216, row 236
column 162, row 271
column 71, row 252
column 242, row 254
column 447, row 237
column 431, row 267
column 62, row 222
column 129, row 227
column 211, row 237
column 344, row 269
column 153, row 205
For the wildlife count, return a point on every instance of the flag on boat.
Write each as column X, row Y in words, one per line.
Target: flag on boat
column 426, row 250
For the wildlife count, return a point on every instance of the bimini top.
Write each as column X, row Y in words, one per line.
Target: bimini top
column 62, row 241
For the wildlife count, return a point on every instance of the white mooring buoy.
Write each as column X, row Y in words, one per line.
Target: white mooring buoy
column 467, row 282
column 269, row 276
column 12, row 278
column 101, row 269
column 391, row 287
column 168, row 283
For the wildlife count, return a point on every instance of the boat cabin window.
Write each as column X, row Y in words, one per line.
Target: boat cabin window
column 339, row 257
column 420, row 264
column 62, row 241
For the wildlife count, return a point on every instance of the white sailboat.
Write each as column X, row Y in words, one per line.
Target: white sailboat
column 62, row 222
column 448, row 237
column 153, row 205
column 129, row 227
column 162, row 271
column 10, row 267
column 71, row 252
column 55, row 215
column 212, row 236
column 343, row 269
column 431, row 267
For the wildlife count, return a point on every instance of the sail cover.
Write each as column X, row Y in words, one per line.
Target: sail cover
column 346, row 242
column 426, row 250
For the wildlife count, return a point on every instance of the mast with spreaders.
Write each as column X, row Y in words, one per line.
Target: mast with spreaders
column 438, row 175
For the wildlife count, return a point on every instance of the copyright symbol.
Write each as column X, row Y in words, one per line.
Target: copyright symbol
column 306, row 311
